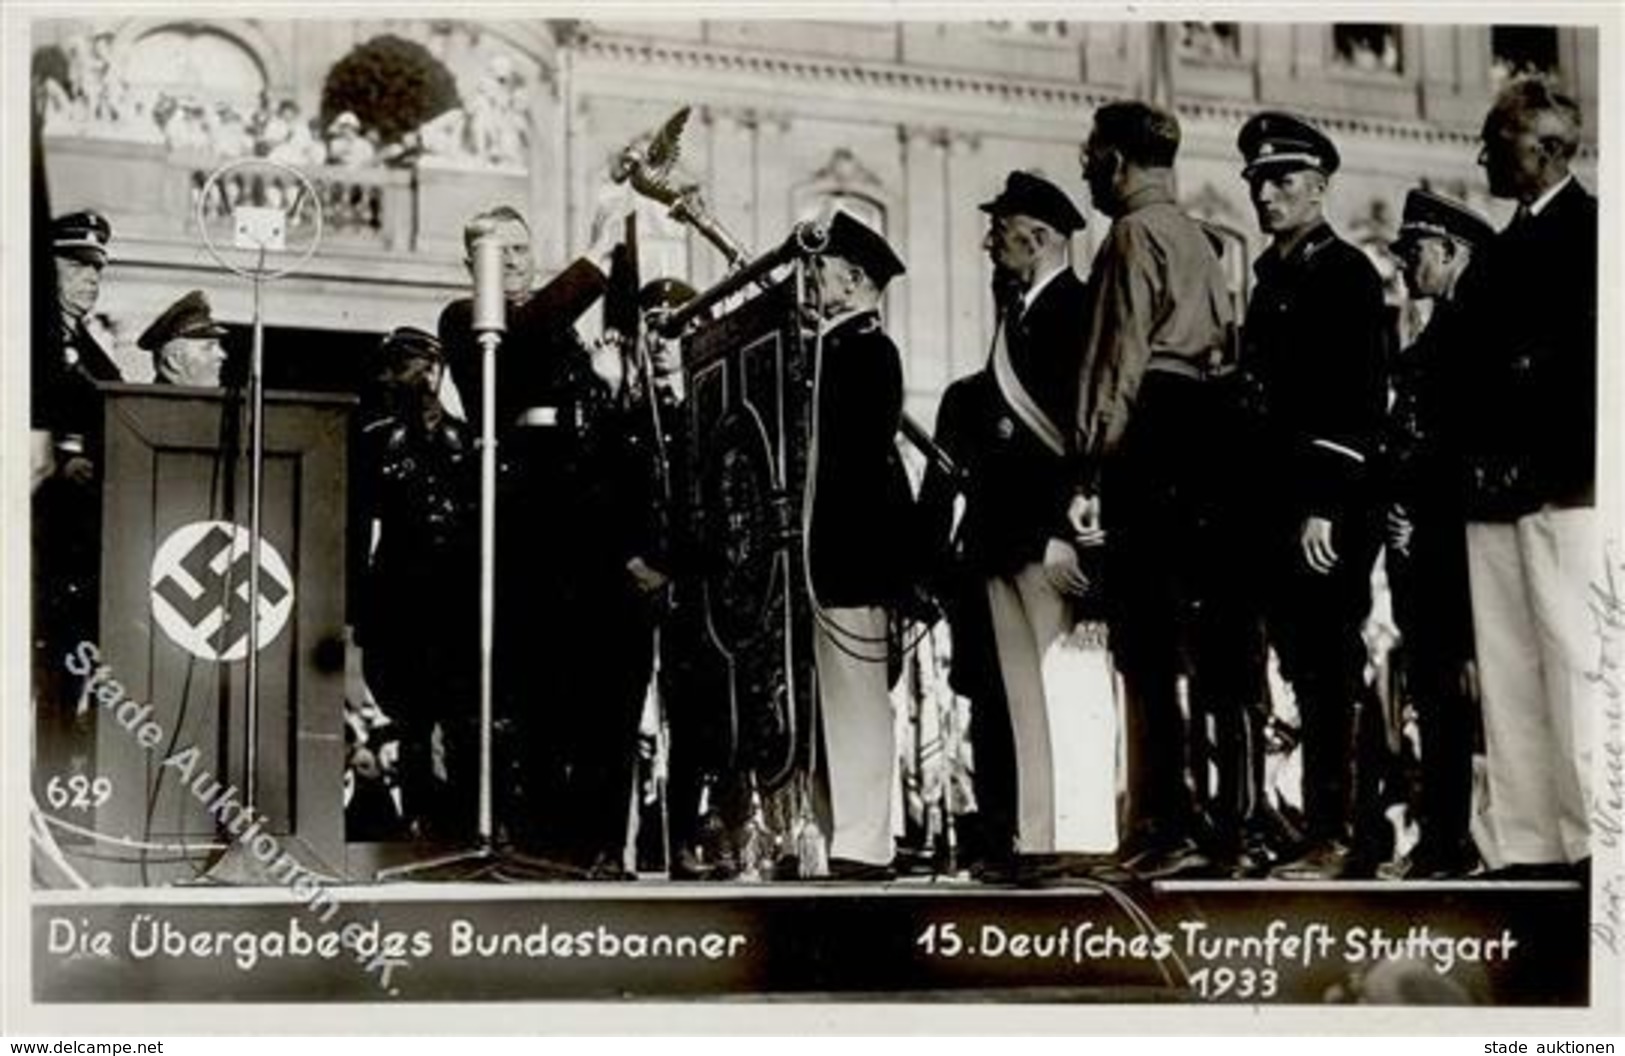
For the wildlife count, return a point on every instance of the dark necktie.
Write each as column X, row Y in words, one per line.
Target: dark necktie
column 1016, row 310
column 1521, row 220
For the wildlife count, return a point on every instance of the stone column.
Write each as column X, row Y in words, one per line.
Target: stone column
column 924, row 241
column 730, row 189
column 970, row 313
column 773, row 178
column 549, row 187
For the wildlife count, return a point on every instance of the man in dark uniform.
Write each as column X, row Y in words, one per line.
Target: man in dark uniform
column 857, row 542
column 1156, row 424
column 418, row 620
column 67, row 358
column 1528, row 414
column 1315, row 343
column 574, row 523
column 967, row 432
column 66, row 418
column 1426, row 546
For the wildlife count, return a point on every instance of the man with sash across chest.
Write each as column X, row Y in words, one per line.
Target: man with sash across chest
column 1017, row 534
column 1155, row 422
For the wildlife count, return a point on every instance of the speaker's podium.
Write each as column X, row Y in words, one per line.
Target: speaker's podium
column 174, row 622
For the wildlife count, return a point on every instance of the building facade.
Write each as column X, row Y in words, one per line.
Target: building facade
column 909, row 123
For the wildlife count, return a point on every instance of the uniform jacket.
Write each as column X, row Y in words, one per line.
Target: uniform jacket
column 1419, row 450
column 1315, row 344
column 1528, row 403
column 574, row 490
column 863, row 508
column 67, row 515
column 967, row 431
column 1428, row 580
column 1047, row 344
column 422, row 485
column 1025, row 485
column 529, row 358
column 65, row 398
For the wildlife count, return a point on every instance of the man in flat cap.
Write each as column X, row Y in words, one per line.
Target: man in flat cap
column 1015, row 531
column 418, row 616
column 185, row 343
column 66, row 417
column 1155, row 424
column 1316, row 340
column 1439, row 239
column 1529, row 439
column 858, row 543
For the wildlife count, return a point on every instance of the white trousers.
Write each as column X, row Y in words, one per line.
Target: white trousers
column 1063, row 717
column 855, row 706
column 1531, row 581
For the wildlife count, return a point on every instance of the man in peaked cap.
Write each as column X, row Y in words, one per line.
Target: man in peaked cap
column 1431, row 215
column 857, row 543
column 185, row 343
column 84, row 234
column 1279, row 142
column 418, row 615
column 66, row 416
column 1316, row 341
column 1015, row 534
column 64, row 400
column 1438, row 241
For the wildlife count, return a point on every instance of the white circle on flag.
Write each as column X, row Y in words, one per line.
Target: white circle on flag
column 199, row 587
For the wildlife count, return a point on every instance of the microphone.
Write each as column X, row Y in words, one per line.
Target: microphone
column 490, row 307
column 810, row 236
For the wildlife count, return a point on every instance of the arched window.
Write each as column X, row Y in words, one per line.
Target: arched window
column 863, row 207
column 195, row 62
column 843, row 182
column 1210, row 41
column 1518, row 50
column 1369, row 47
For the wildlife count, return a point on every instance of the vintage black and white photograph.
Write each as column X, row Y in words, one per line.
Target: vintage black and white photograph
column 1084, row 508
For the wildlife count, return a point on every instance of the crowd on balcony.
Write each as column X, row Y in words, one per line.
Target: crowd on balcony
column 81, row 91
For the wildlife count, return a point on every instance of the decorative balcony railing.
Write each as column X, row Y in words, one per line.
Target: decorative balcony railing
column 364, row 207
column 151, row 193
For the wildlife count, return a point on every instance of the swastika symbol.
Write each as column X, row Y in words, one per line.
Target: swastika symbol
column 199, row 564
column 200, row 589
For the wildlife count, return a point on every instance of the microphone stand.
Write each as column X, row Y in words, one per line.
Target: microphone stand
column 484, row 861
column 490, row 340
column 235, row 865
